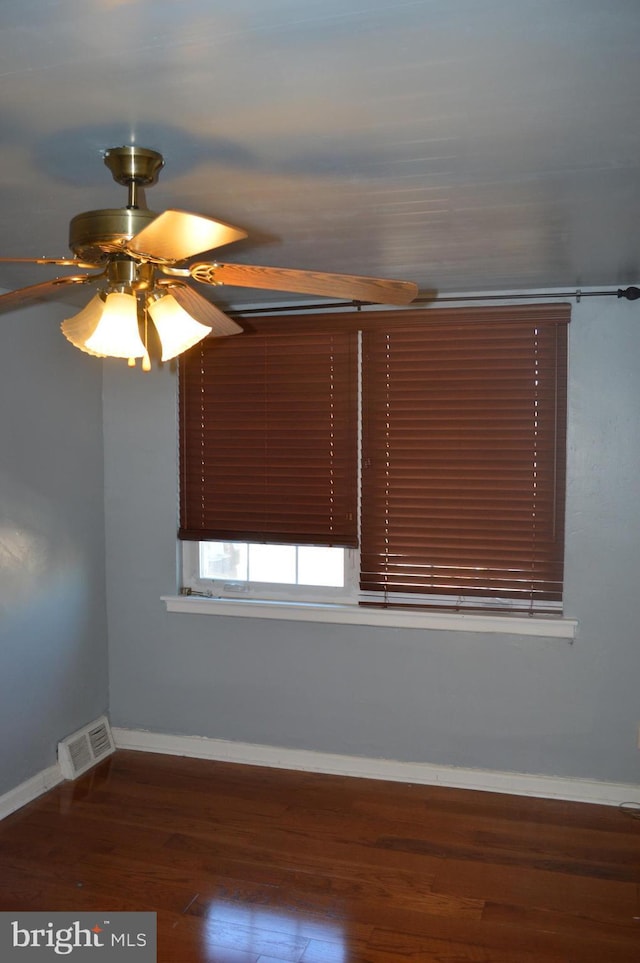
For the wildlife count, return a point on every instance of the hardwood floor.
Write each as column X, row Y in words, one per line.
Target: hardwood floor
column 252, row 865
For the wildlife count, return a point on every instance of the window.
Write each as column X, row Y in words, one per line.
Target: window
column 271, row 564
column 425, row 448
column 237, row 567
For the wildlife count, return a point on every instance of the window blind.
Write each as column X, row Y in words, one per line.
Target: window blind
column 268, row 435
column 464, row 421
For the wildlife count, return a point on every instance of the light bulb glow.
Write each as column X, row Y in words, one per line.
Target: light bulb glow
column 177, row 330
column 116, row 334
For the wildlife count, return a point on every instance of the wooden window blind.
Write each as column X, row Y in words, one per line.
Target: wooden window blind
column 268, row 435
column 464, row 417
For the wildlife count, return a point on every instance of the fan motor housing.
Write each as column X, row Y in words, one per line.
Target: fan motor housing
column 94, row 235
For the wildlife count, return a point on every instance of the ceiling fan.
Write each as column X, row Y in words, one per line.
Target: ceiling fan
column 142, row 272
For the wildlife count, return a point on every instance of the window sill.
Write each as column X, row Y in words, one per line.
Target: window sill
column 541, row 626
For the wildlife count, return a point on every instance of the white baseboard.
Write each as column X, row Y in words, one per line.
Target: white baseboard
column 27, row 791
column 513, row 783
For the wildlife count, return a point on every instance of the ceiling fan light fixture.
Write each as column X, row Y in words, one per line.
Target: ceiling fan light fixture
column 116, row 334
column 131, row 246
column 177, row 329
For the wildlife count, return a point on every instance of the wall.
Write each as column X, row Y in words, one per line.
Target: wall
column 483, row 701
column 53, row 644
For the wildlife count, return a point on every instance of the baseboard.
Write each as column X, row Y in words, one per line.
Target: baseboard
column 27, row 791
column 512, row 783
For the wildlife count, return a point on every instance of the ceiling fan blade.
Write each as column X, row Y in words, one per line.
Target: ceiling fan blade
column 201, row 309
column 43, row 291
column 349, row 286
column 177, row 235
column 60, row 261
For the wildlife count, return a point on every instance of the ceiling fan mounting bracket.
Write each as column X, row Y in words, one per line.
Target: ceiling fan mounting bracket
column 134, row 164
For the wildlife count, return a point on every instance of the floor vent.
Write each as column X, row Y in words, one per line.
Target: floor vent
column 85, row 748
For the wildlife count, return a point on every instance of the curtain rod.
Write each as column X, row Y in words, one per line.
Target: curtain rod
column 631, row 294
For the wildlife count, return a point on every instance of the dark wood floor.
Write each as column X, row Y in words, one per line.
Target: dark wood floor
column 251, row 865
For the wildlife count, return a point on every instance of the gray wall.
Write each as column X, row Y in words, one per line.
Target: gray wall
column 486, row 701
column 53, row 644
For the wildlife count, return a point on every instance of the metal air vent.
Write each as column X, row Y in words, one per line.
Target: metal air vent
column 85, row 748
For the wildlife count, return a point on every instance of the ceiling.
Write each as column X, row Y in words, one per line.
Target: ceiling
column 466, row 145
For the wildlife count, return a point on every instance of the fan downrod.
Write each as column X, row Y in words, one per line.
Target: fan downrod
column 96, row 235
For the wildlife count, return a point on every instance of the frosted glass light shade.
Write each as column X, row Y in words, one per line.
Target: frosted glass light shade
column 177, row 330
column 82, row 325
column 116, row 334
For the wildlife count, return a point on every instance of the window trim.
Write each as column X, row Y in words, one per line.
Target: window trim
column 349, row 614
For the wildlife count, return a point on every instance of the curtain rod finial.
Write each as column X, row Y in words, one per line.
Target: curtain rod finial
column 631, row 294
